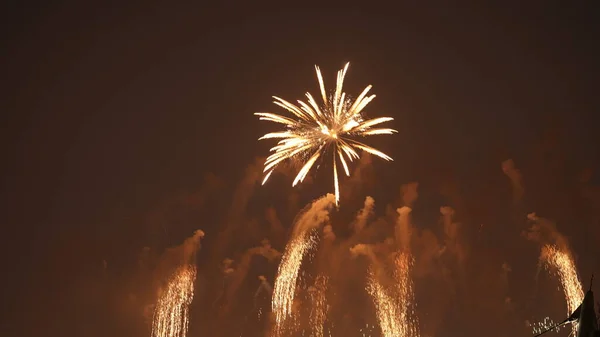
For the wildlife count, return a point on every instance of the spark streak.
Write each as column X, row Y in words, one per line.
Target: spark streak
column 287, row 276
column 563, row 264
column 405, row 295
column 567, row 273
column 318, row 312
column 394, row 306
column 385, row 307
column 171, row 316
column 315, row 129
column 304, row 238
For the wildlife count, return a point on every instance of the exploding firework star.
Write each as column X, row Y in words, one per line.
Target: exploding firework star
column 315, row 129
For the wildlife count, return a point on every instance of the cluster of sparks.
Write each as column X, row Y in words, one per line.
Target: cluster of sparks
column 284, row 290
column 394, row 307
column 315, row 129
column 171, row 316
column 385, row 306
column 406, row 295
column 544, row 325
column 318, row 312
column 564, row 266
column 562, row 262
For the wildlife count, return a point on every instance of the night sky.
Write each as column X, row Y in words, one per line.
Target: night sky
column 111, row 114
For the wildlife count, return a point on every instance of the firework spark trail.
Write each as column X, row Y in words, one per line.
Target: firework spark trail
column 562, row 263
column 304, row 238
column 171, row 316
column 316, row 129
column 544, row 325
column 287, row 276
column 318, row 313
column 564, row 266
column 394, row 305
column 409, row 323
column 385, row 307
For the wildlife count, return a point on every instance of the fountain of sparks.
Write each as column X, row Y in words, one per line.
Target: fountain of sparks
column 171, row 316
column 409, row 323
column 562, row 263
column 304, row 238
column 287, row 276
column 394, row 305
column 318, row 313
column 385, row 306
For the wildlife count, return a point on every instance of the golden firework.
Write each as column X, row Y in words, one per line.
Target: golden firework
column 318, row 313
column 405, row 294
column 394, row 306
column 563, row 264
column 284, row 291
column 385, row 306
column 171, row 316
column 315, row 129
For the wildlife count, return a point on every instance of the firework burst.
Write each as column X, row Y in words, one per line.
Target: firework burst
column 316, row 129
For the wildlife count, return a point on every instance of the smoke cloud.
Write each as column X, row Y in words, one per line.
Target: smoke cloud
column 409, row 193
column 176, row 257
column 238, row 275
column 543, row 231
column 235, row 215
column 403, row 228
column 363, row 215
column 510, row 170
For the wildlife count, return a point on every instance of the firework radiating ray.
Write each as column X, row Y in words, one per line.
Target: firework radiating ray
column 315, row 129
column 171, row 316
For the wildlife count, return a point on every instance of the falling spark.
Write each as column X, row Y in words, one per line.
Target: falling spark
column 318, row 312
column 567, row 273
column 171, row 316
column 385, row 307
column 406, row 297
column 563, row 264
column 394, row 307
column 315, row 129
column 544, row 325
column 285, row 285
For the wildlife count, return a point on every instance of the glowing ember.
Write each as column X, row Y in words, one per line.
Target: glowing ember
column 171, row 316
column 317, row 129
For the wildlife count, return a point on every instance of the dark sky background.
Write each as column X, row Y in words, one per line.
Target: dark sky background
column 109, row 111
